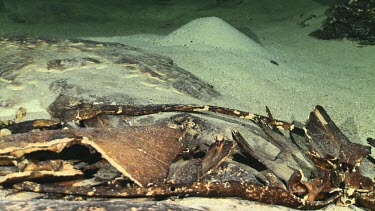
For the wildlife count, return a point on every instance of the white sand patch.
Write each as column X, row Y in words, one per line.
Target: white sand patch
column 210, row 32
column 33, row 107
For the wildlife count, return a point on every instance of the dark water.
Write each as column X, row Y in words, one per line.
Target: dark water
column 124, row 17
column 113, row 17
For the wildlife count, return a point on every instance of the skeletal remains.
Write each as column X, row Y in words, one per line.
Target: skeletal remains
column 83, row 152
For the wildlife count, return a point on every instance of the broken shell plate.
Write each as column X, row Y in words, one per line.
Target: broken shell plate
column 143, row 153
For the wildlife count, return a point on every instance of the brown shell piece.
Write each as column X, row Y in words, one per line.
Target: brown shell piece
column 187, row 172
column 217, row 155
column 17, row 145
column 21, row 113
column 46, row 170
column 143, row 153
column 295, row 185
column 328, row 140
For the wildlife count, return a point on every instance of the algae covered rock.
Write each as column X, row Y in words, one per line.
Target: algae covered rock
column 350, row 19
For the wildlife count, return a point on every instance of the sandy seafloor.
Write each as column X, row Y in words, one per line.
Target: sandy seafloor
column 233, row 52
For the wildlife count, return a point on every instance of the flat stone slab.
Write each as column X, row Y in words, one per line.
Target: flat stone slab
column 88, row 70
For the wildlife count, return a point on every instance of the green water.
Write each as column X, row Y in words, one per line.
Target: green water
column 125, row 17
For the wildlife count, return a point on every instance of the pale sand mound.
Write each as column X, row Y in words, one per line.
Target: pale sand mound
column 213, row 32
